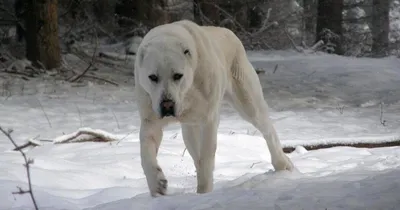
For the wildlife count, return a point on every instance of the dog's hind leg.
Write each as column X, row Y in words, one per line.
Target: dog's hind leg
column 247, row 98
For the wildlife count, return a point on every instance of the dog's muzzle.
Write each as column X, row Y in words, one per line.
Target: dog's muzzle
column 167, row 108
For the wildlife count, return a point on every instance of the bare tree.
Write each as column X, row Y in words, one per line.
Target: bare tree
column 380, row 28
column 329, row 24
column 42, row 41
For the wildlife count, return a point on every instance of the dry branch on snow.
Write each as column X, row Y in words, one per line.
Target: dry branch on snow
column 27, row 164
column 85, row 135
column 353, row 144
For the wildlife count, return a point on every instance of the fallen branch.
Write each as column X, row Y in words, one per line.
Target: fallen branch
column 29, row 143
column 101, row 79
column 317, row 45
column 85, row 135
column 27, row 166
column 356, row 145
column 21, row 76
column 22, row 67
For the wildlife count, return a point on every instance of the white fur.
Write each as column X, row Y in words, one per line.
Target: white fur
column 216, row 68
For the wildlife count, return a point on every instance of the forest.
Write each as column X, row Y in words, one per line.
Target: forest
column 70, row 128
column 46, row 29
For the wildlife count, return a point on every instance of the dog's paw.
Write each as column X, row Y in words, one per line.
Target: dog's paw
column 160, row 185
column 283, row 163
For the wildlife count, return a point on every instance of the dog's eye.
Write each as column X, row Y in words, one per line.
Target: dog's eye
column 186, row 52
column 177, row 76
column 153, row 78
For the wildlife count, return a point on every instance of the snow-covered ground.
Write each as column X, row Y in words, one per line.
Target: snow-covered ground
column 306, row 94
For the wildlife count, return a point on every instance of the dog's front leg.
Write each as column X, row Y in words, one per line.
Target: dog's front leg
column 150, row 140
column 206, row 162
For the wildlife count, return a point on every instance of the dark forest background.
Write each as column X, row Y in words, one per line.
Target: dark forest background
column 43, row 30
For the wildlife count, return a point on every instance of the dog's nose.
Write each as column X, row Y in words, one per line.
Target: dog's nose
column 167, row 108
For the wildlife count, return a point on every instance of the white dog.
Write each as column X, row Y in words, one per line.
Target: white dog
column 183, row 71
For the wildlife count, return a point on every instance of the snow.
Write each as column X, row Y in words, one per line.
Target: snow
column 306, row 95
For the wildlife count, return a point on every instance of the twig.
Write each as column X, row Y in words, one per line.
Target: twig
column 383, row 122
column 252, row 165
column 267, row 17
column 79, row 113
column 101, row 79
column 46, row 140
column 44, row 112
column 27, row 163
column 29, row 143
column 183, row 153
column 124, row 137
column 275, row 69
column 174, row 136
column 116, row 119
column 77, row 77
column 340, row 108
column 310, row 74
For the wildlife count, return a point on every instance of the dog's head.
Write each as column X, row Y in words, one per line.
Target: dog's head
column 166, row 66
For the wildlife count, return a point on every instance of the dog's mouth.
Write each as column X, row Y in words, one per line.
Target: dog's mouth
column 167, row 113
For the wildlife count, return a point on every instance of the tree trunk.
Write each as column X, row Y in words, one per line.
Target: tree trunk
column 207, row 9
column 329, row 24
column 309, row 20
column 42, row 44
column 380, row 28
column 197, row 12
column 152, row 12
column 20, row 8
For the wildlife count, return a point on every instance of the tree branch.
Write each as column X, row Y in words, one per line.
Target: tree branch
column 77, row 77
column 27, row 166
